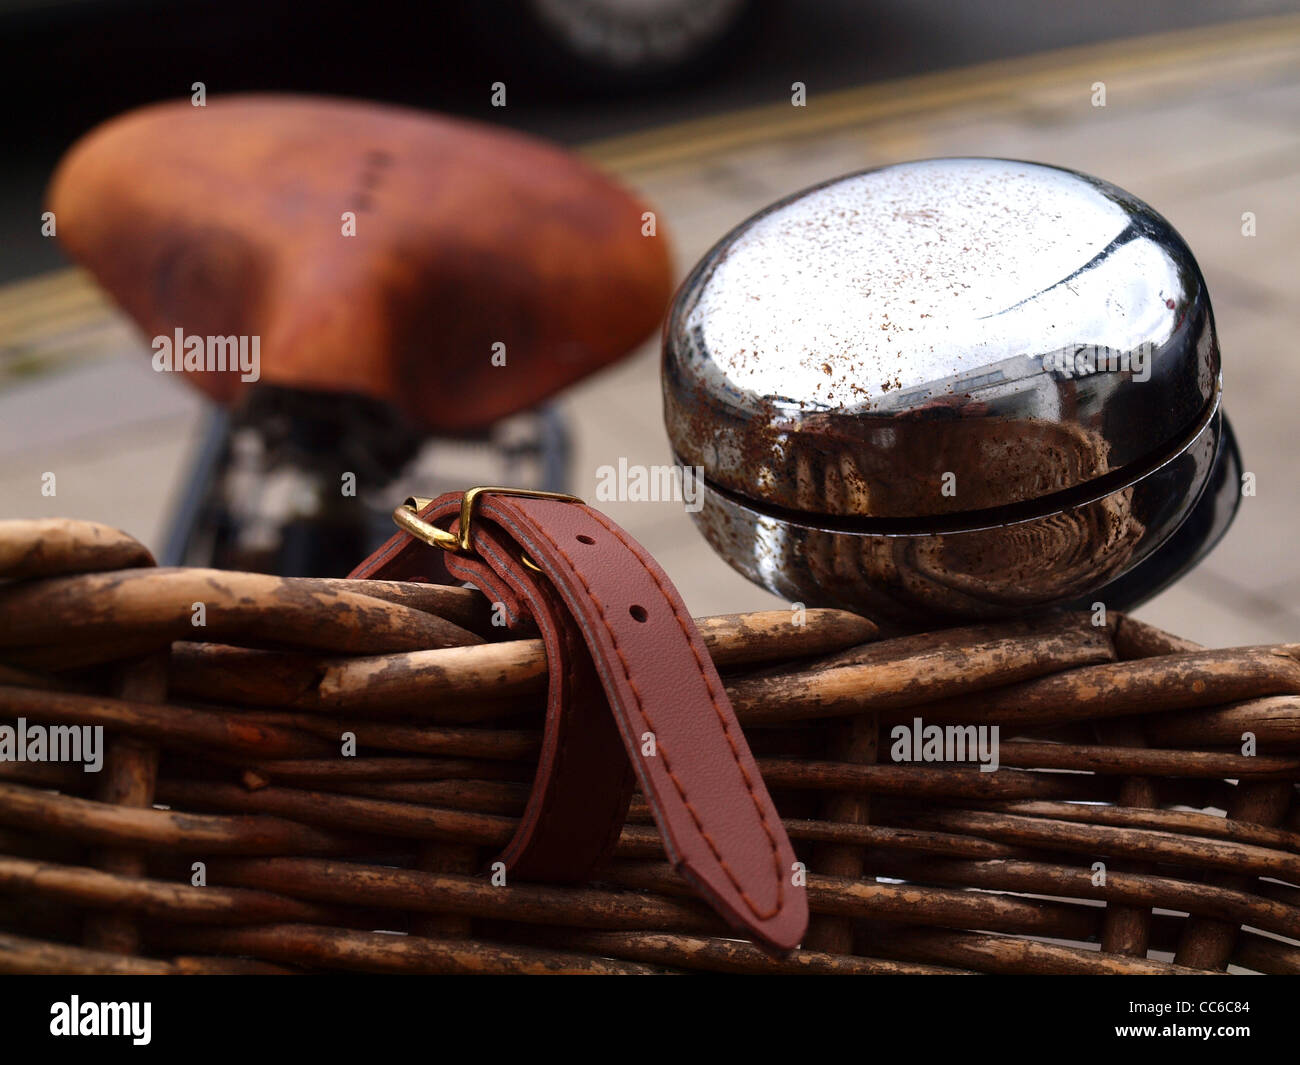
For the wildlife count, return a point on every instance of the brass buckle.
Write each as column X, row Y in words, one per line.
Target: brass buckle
column 407, row 518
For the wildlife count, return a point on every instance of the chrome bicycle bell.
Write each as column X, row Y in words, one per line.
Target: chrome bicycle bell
column 953, row 389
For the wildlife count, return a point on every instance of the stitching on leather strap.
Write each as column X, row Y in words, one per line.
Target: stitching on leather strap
column 713, row 699
column 566, row 688
column 539, row 602
column 557, row 689
column 484, row 574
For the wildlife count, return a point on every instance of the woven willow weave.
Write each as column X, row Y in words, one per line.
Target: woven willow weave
column 308, row 775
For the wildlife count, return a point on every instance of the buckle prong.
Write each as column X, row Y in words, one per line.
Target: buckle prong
column 407, row 518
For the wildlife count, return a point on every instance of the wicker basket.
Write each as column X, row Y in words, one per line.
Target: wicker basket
column 315, row 777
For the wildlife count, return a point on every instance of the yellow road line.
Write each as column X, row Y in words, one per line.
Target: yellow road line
column 48, row 295
column 1180, row 57
column 1188, row 52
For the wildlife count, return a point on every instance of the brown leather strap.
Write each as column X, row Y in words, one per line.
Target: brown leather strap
column 617, row 634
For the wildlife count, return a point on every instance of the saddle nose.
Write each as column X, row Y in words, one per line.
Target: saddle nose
column 457, row 271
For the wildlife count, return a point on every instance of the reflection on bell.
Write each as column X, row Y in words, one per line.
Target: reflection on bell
column 953, row 389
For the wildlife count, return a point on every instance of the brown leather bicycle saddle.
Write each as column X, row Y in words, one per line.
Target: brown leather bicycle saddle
column 229, row 220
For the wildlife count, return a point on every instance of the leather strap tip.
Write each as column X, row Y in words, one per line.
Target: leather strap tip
column 786, row 931
column 778, row 934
